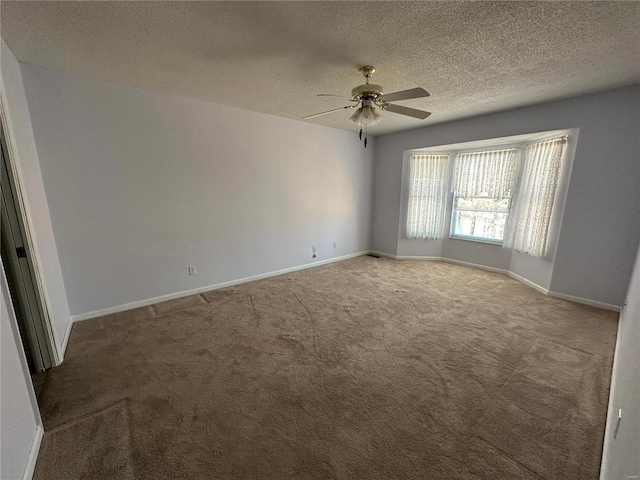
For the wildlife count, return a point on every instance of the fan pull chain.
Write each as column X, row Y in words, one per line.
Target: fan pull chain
column 365, row 136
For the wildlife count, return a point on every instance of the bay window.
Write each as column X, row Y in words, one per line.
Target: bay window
column 501, row 195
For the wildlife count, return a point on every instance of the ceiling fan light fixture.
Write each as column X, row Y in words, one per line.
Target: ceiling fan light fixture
column 366, row 116
column 357, row 115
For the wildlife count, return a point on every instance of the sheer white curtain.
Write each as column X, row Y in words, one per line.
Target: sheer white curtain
column 532, row 206
column 427, row 195
column 491, row 173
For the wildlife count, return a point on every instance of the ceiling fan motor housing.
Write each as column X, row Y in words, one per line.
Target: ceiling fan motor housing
column 368, row 90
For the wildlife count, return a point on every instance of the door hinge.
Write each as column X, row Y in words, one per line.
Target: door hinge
column 21, row 252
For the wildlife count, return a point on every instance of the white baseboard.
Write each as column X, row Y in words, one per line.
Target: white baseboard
column 586, row 301
column 382, row 254
column 515, row 276
column 442, row 259
column 195, row 291
column 33, row 454
column 528, row 283
column 437, row 259
column 474, row 265
column 63, row 348
column 401, row 257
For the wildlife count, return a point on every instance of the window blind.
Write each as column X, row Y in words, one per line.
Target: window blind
column 532, row 205
column 427, row 195
column 489, row 174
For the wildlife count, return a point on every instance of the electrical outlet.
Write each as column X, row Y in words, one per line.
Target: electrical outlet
column 192, row 270
column 335, row 244
column 313, row 251
column 479, row 250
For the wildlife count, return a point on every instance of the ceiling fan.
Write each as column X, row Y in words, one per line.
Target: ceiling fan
column 369, row 98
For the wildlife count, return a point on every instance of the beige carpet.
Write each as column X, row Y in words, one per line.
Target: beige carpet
column 363, row 369
column 72, row 452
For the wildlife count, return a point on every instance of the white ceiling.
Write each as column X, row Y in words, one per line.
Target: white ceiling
column 274, row 57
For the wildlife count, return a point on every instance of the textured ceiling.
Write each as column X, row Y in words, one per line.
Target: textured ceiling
column 274, row 57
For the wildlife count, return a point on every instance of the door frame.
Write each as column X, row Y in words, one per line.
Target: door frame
column 49, row 333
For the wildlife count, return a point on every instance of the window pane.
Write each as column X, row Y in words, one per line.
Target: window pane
column 484, row 204
column 487, row 225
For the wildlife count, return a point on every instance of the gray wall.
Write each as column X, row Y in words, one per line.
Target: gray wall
column 20, row 135
column 601, row 224
column 141, row 185
column 620, row 457
column 19, row 416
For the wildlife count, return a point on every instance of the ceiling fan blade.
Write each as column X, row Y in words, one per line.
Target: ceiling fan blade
column 328, row 111
column 411, row 112
column 405, row 95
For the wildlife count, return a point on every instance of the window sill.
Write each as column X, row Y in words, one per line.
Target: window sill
column 498, row 243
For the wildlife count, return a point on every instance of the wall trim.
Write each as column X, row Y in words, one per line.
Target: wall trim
column 401, row 257
column 515, row 276
column 529, row 283
column 438, row 259
column 608, row 434
column 586, row 301
column 49, row 344
column 195, row 291
column 475, row 265
column 33, row 453
column 382, row 254
column 63, row 348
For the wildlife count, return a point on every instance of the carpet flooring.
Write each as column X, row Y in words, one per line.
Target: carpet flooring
column 362, row 369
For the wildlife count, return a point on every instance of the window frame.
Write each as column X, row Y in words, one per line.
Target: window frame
column 453, row 196
column 474, row 238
